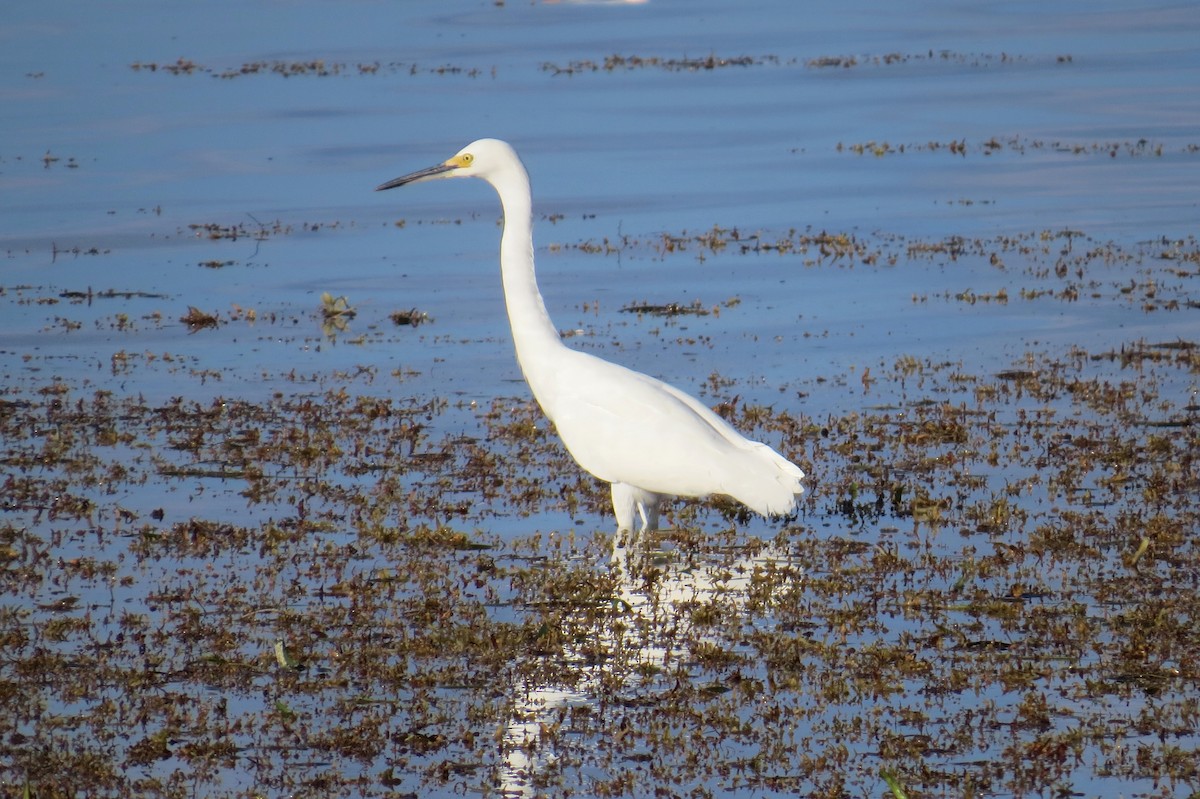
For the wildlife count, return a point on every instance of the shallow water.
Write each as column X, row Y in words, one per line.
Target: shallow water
column 903, row 218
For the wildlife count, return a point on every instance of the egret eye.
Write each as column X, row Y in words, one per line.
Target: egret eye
column 466, row 158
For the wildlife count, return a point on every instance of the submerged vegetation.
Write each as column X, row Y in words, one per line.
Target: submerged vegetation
column 279, row 519
column 991, row 588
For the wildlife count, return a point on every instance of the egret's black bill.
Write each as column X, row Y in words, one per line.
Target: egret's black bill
column 431, row 172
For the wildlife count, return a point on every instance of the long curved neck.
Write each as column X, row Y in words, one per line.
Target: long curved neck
column 534, row 335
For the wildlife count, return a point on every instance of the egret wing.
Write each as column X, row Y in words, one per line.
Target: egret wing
column 624, row 426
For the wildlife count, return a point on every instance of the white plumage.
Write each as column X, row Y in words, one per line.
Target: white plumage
column 647, row 438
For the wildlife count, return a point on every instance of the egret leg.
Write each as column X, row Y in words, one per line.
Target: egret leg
column 629, row 501
column 648, row 509
column 623, row 506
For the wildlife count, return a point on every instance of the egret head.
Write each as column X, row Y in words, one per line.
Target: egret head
column 485, row 158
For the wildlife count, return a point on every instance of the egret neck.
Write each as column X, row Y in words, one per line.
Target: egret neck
column 534, row 334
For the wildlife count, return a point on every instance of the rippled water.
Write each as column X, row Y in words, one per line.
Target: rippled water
column 223, row 156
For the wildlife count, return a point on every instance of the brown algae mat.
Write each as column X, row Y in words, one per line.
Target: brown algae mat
column 991, row 588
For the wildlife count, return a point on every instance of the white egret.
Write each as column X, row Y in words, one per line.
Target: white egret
column 647, row 438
